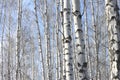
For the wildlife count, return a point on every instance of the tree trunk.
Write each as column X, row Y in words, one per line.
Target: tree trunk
column 2, row 74
column 113, row 24
column 18, row 42
column 9, row 51
column 81, row 63
column 62, row 55
column 47, row 36
column 67, row 41
column 57, row 40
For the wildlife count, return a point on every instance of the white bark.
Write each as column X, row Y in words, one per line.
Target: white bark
column 113, row 24
column 67, row 41
column 81, row 63
column 62, row 61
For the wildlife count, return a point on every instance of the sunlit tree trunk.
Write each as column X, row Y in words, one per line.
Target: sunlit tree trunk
column 62, row 46
column 67, row 41
column 113, row 24
column 80, row 47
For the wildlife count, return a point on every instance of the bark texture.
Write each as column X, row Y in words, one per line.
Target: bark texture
column 113, row 24
column 80, row 47
column 67, row 41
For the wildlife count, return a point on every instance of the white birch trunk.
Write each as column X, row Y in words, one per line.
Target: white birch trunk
column 113, row 24
column 81, row 63
column 67, row 41
column 62, row 20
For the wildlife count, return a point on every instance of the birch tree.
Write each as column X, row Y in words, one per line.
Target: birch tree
column 62, row 55
column 67, row 41
column 113, row 24
column 47, row 37
column 9, row 51
column 81, row 63
column 57, row 39
column 18, row 42
column 2, row 53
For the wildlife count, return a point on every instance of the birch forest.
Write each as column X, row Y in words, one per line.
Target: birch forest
column 59, row 39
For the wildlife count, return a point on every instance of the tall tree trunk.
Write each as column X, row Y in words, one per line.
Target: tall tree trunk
column 2, row 74
column 9, row 50
column 67, row 41
column 23, row 52
column 62, row 46
column 57, row 40
column 18, row 42
column 2, row 42
column 81, row 63
column 40, row 42
column 113, row 24
column 47, row 36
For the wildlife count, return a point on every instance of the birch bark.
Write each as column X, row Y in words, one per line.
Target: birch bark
column 80, row 46
column 113, row 24
column 67, row 41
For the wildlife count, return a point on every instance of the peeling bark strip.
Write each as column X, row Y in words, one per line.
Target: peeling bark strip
column 81, row 64
column 114, row 37
column 67, row 41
